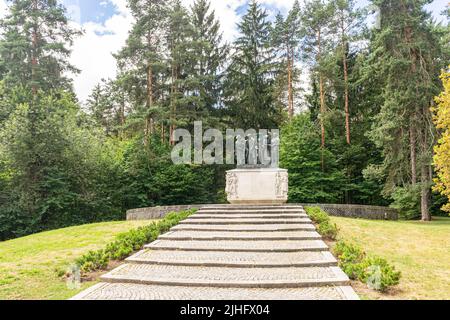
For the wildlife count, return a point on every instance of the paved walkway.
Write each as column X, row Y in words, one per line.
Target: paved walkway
column 231, row 253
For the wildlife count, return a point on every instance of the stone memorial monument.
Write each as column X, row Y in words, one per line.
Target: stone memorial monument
column 257, row 180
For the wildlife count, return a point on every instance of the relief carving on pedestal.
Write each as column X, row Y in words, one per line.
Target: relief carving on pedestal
column 282, row 185
column 232, row 183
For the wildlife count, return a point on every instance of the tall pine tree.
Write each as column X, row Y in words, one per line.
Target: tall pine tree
column 287, row 37
column 316, row 21
column 34, row 52
column 143, row 55
column 348, row 22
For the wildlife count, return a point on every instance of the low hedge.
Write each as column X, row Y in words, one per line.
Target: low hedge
column 324, row 225
column 127, row 243
column 374, row 271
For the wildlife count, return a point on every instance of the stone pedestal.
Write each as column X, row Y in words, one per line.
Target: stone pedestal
column 257, row 186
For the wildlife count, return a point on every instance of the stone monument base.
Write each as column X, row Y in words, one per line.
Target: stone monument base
column 257, row 186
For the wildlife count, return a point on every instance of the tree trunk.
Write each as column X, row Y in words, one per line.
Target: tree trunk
column 172, row 104
column 424, row 172
column 322, row 97
column 290, row 85
column 322, row 110
column 347, row 102
column 34, row 60
column 425, row 194
column 412, row 142
column 149, row 120
column 416, row 111
column 122, row 119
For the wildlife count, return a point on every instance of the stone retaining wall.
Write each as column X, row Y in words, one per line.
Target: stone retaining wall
column 358, row 211
column 157, row 212
column 339, row 210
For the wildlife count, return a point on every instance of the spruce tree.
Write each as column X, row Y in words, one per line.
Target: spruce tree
column 180, row 57
column 107, row 106
column 408, row 56
column 250, row 79
column 209, row 59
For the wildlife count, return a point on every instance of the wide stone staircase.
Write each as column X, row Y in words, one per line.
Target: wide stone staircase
column 231, row 253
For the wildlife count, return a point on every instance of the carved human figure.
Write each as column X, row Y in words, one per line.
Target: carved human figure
column 231, row 188
column 241, row 155
column 282, row 185
column 275, row 150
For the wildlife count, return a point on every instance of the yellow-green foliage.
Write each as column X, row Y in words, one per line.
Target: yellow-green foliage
column 442, row 150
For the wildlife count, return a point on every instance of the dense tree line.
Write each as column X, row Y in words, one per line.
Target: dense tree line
column 360, row 129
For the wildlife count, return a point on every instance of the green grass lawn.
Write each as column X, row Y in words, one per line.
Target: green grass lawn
column 30, row 267
column 421, row 251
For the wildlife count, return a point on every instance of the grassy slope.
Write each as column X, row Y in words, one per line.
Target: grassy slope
column 421, row 251
column 29, row 266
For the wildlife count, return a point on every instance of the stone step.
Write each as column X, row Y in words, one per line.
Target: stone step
column 240, row 245
column 215, row 236
column 235, row 259
column 245, row 228
column 247, row 221
column 132, row 291
column 293, row 277
column 247, row 216
column 241, row 207
column 203, row 211
column 231, row 253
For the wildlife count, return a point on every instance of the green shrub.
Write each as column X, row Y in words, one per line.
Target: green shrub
column 317, row 215
column 348, row 252
column 378, row 274
column 127, row 243
column 93, row 260
column 328, row 230
column 350, row 256
column 374, row 271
